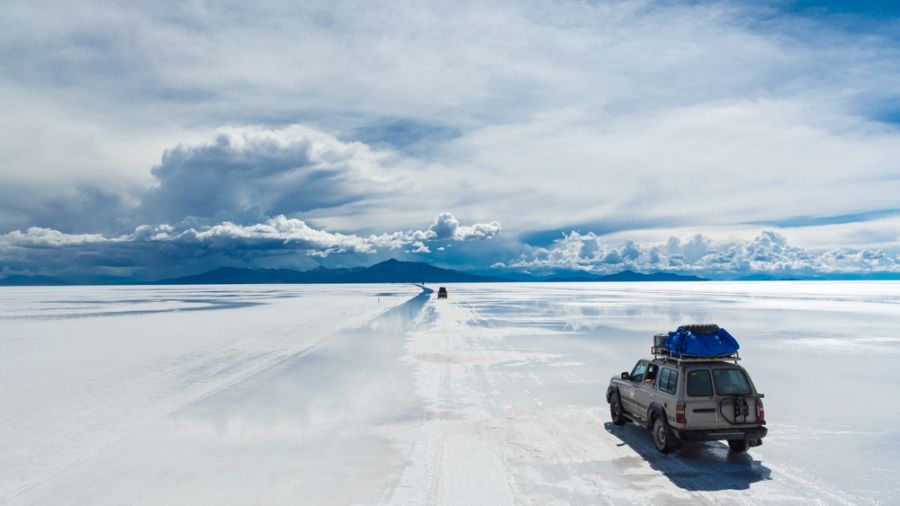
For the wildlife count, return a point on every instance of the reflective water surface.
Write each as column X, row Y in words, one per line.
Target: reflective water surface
column 384, row 394
column 825, row 355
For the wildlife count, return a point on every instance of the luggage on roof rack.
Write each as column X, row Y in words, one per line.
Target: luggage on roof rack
column 696, row 342
column 701, row 328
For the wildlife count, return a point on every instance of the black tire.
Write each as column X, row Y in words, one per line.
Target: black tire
column 615, row 410
column 738, row 445
column 662, row 438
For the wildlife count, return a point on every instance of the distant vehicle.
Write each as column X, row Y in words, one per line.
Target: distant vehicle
column 691, row 390
column 442, row 293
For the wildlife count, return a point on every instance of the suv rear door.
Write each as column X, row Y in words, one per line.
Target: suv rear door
column 735, row 397
column 700, row 406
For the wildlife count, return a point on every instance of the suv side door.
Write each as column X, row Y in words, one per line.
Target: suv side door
column 645, row 392
column 628, row 393
column 666, row 385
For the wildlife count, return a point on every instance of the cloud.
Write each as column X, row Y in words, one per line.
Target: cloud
column 548, row 106
column 78, row 209
column 39, row 237
column 641, row 114
column 47, row 251
column 279, row 232
column 249, row 173
column 768, row 252
column 419, row 247
column 446, row 226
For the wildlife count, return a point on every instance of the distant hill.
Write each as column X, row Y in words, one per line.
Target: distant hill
column 19, row 280
column 389, row 271
column 623, row 276
column 236, row 275
column 765, row 277
column 396, row 271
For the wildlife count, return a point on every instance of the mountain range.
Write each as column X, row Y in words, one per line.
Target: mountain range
column 389, row 271
column 393, row 271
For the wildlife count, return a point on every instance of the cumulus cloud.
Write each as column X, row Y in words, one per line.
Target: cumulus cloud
column 419, row 247
column 39, row 237
column 446, row 226
column 275, row 233
column 769, row 252
column 249, row 173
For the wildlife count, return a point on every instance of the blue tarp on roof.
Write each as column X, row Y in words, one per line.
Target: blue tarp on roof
column 687, row 341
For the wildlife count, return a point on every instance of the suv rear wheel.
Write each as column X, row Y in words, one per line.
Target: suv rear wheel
column 661, row 437
column 738, row 445
column 615, row 410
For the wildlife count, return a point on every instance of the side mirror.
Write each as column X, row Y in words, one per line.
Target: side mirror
column 626, row 376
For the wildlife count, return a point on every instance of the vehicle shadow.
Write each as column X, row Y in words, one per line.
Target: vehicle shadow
column 708, row 466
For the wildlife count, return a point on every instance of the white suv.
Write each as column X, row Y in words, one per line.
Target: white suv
column 690, row 399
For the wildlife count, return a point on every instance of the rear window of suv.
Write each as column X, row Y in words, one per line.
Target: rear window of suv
column 699, row 384
column 731, row 382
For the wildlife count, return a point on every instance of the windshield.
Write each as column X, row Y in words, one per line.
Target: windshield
column 731, row 382
column 637, row 374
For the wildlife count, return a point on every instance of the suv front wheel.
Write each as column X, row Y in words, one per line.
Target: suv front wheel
column 615, row 409
column 661, row 437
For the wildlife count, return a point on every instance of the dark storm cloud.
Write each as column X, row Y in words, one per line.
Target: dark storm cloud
column 234, row 199
column 82, row 209
column 245, row 175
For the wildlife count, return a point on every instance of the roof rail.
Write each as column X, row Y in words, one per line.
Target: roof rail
column 659, row 352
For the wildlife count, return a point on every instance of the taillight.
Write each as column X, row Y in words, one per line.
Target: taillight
column 760, row 411
column 679, row 413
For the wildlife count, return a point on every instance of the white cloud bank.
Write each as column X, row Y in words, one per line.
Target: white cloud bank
column 279, row 233
column 769, row 252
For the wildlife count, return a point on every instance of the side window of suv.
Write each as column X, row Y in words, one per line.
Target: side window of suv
column 668, row 380
column 673, row 382
column 699, row 384
column 664, row 379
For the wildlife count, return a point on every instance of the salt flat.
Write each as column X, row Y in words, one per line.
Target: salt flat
column 377, row 394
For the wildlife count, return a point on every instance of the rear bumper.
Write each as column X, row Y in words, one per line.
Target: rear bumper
column 752, row 434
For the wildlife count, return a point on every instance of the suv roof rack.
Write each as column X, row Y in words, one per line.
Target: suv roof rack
column 660, row 352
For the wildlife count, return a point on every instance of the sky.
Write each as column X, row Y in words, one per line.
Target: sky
column 715, row 138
